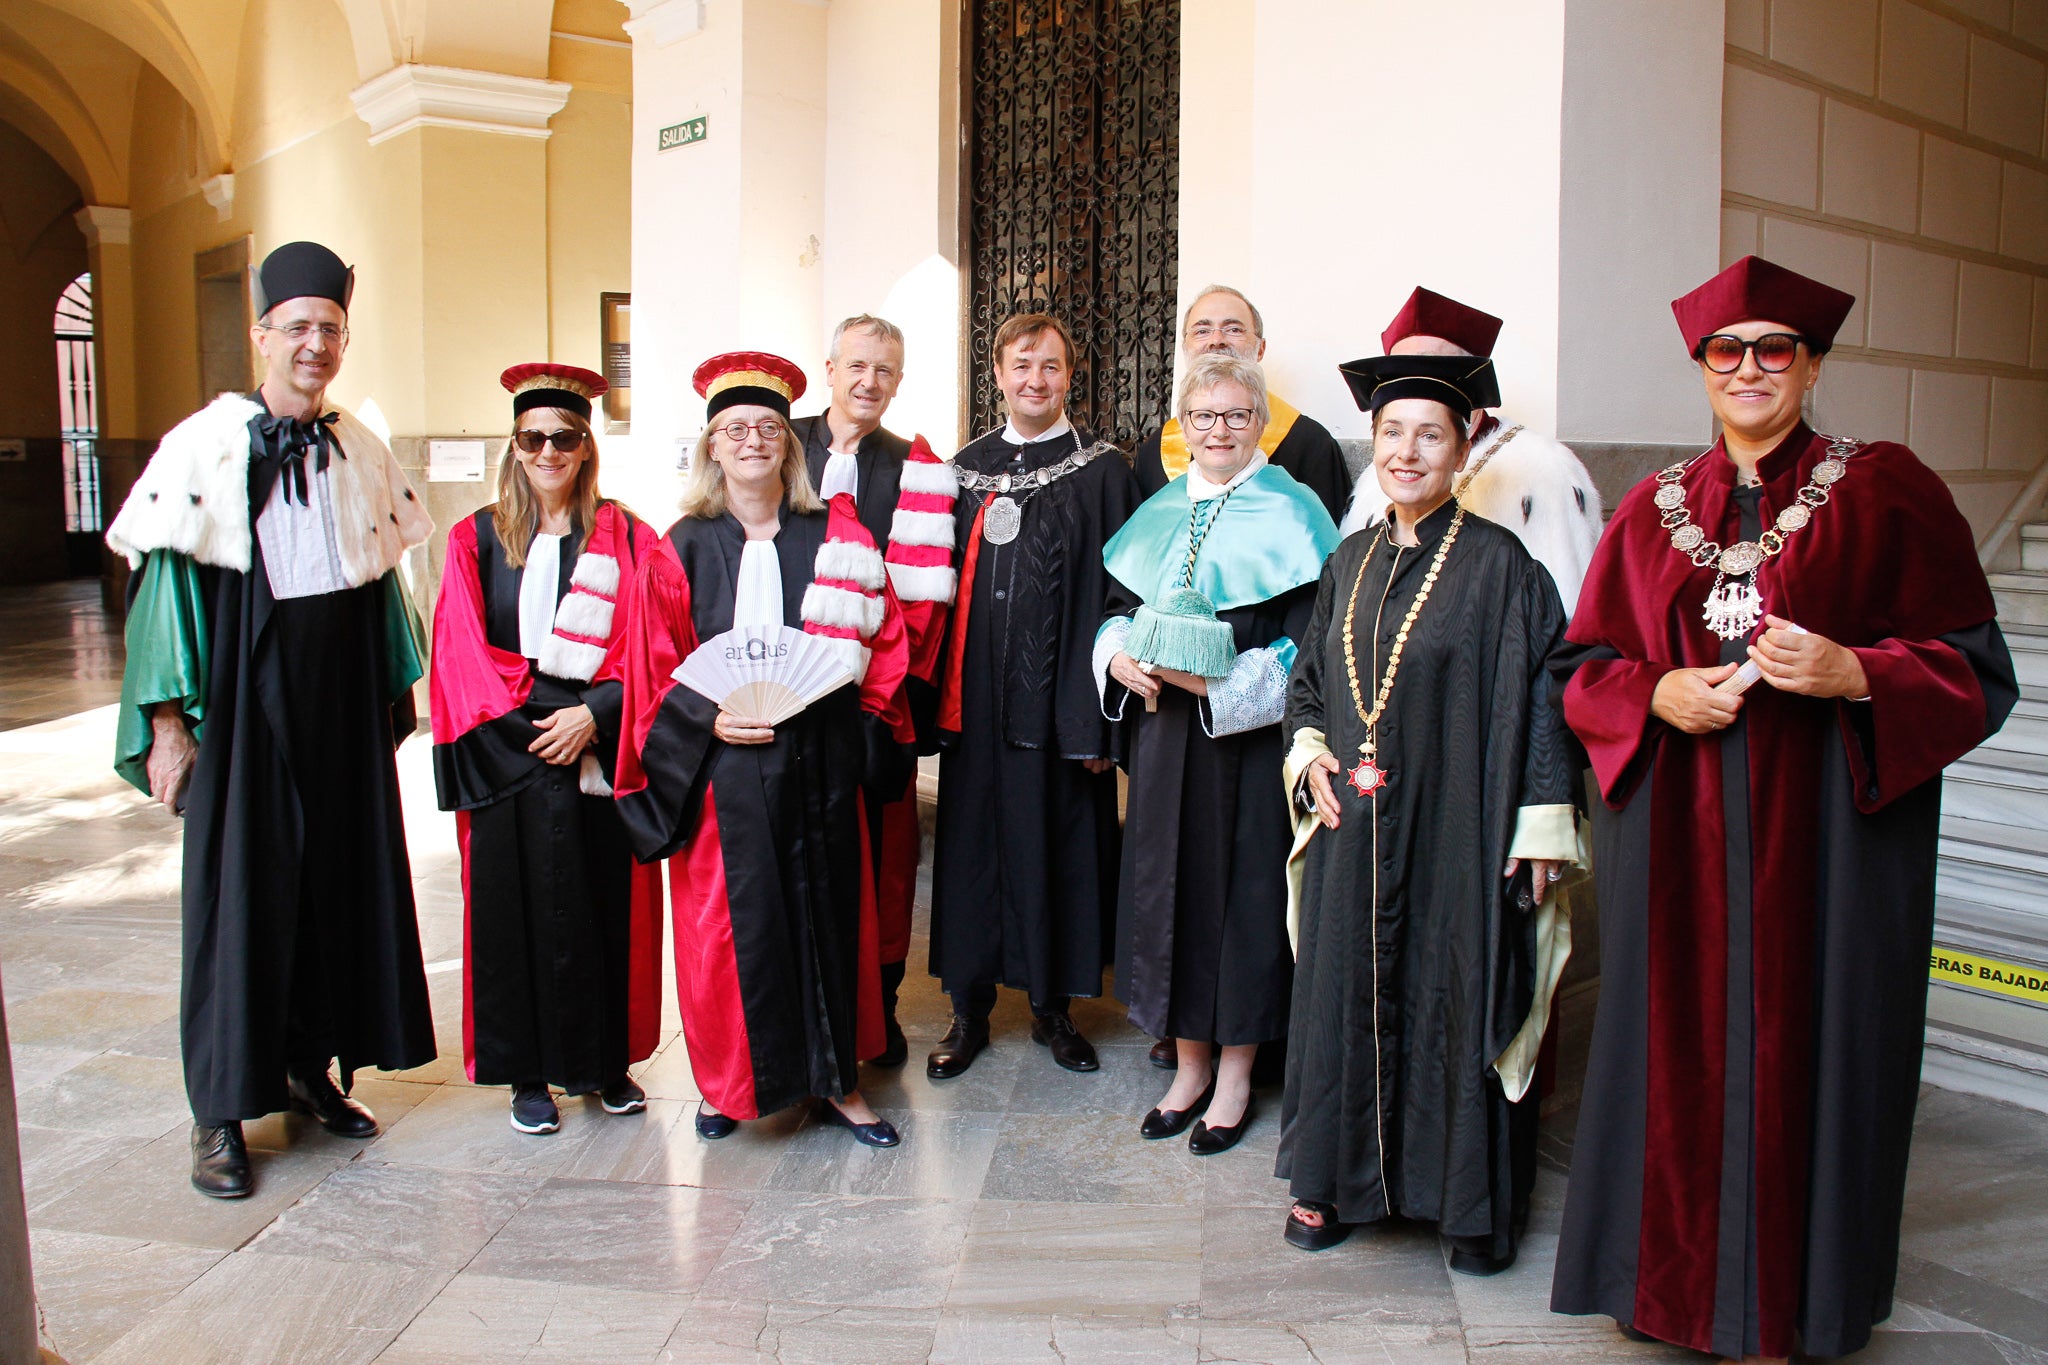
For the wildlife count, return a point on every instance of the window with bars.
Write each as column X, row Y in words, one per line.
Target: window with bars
column 78, row 413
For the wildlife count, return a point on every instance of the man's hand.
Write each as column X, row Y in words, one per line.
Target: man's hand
column 1321, row 769
column 742, row 729
column 1098, row 766
column 172, row 752
column 1685, row 700
column 564, row 735
column 1544, row 874
column 1127, row 671
column 1811, row 665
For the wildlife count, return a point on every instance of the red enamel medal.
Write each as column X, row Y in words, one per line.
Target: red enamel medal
column 1367, row 778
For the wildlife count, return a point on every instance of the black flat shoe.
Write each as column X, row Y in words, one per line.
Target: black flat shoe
column 337, row 1113
column 1166, row 1123
column 1633, row 1335
column 1207, row 1141
column 958, row 1049
column 1165, row 1055
column 1318, row 1238
column 1479, row 1263
column 220, row 1162
column 712, row 1126
column 1069, row 1048
column 880, row 1133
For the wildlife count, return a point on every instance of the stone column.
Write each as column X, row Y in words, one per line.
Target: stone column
column 121, row 452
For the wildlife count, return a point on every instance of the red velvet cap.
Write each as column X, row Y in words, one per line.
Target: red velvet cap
column 1430, row 314
column 754, row 377
column 541, row 384
column 1757, row 290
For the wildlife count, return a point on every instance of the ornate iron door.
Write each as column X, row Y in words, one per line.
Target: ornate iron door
column 1074, row 197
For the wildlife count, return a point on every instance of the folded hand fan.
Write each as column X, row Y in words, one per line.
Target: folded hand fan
column 766, row 672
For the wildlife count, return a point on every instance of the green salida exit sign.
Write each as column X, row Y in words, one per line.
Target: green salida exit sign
column 683, row 134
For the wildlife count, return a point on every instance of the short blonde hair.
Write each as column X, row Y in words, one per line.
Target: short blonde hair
column 1208, row 370
column 704, row 481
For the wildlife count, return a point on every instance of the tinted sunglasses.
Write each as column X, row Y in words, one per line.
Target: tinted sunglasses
column 567, row 440
column 1775, row 351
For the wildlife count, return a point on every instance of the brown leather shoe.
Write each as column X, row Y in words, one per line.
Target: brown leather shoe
column 220, row 1161
column 1069, row 1048
column 1165, row 1055
column 958, row 1049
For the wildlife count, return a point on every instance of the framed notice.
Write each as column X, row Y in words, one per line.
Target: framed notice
column 615, row 333
column 455, row 461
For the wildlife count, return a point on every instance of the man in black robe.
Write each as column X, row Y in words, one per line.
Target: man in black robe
column 1024, row 882
column 271, row 653
column 1222, row 319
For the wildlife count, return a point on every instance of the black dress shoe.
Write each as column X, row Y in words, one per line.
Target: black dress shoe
column 895, row 1047
column 1165, row 1055
column 1069, row 1048
column 1207, row 1141
column 1315, row 1237
column 1634, row 1335
column 1166, row 1123
column 1478, row 1262
column 220, row 1163
column 712, row 1126
column 337, row 1113
column 880, row 1133
column 958, row 1049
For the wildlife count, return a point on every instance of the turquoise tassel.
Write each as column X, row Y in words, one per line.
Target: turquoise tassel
column 1182, row 632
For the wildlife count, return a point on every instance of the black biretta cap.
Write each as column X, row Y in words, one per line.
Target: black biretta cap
column 299, row 270
column 1460, row 382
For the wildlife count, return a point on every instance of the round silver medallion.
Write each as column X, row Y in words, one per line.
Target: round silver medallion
column 1794, row 517
column 1741, row 558
column 999, row 525
column 1669, row 496
column 1686, row 539
column 1828, row 471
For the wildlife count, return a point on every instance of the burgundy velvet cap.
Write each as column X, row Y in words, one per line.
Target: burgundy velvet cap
column 1429, row 314
column 1757, row 290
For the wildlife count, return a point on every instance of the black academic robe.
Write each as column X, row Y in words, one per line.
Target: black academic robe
column 1415, row 966
column 1308, row 451
column 300, row 937
column 879, row 458
column 1202, row 947
column 1024, row 873
column 1766, row 906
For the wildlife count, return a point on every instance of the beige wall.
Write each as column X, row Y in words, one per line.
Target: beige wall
column 1894, row 148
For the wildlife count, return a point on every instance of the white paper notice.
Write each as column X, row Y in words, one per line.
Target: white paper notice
column 455, row 461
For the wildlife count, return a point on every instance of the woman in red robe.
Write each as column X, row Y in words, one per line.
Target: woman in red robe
column 561, row 944
column 763, row 825
column 1766, row 856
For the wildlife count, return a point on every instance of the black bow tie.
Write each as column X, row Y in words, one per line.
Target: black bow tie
column 283, row 440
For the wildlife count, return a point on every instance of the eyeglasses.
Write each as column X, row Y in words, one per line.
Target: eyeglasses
column 1775, row 351
column 567, row 440
column 770, row 429
column 1232, row 331
column 299, row 331
column 1237, row 419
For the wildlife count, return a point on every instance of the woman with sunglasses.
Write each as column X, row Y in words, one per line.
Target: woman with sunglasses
column 1224, row 558
column 763, row 824
column 561, row 983
column 1780, row 644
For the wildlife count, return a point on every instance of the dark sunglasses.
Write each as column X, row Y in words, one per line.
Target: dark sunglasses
column 1775, row 351
column 566, row 440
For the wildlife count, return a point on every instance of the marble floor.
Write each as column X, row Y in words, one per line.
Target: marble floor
column 1021, row 1220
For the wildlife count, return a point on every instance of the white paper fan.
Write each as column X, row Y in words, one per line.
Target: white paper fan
column 766, row 672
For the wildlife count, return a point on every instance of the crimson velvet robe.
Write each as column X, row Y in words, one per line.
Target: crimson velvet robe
column 1767, row 907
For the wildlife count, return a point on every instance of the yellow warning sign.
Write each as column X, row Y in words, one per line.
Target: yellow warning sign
column 2019, row 981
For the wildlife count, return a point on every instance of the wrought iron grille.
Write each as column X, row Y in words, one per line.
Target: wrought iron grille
column 1074, row 197
column 77, row 406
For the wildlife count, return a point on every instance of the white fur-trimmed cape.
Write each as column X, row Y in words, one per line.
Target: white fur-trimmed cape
column 193, row 496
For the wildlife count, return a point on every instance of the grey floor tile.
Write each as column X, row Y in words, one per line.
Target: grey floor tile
column 1520, row 1294
column 985, row 1088
column 1930, row 1348
column 944, row 1155
column 111, row 1093
column 667, row 1075
column 1330, row 1343
column 742, row 1332
column 1975, row 1199
column 1080, row 1259
column 466, row 1128
column 1244, row 1174
column 294, row 1131
column 256, row 1309
column 400, row 1215
column 1385, row 1274
column 93, row 1288
column 486, row 1318
column 657, row 1239
column 1127, row 1085
column 821, row 1248
column 37, row 1064
column 54, row 1161
column 1097, row 1159
column 978, row 1337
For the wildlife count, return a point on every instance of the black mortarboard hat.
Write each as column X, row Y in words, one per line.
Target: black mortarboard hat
column 300, row 270
column 1460, row 382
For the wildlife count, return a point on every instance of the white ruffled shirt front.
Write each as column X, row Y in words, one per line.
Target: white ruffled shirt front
column 757, row 601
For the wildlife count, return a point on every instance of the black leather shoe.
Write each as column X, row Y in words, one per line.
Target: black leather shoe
column 1207, row 1141
column 1315, row 1236
column 1069, row 1048
column 880, row 1133
column 1165, row 1055
column 1166, row 1123
column 895, row 1047
column 1633, row 1334
column 220, row 1163
column 1478, row 1263
column 958, row 1049
column 336, row 1112
column 712, row 1126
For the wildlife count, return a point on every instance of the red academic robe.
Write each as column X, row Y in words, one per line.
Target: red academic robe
column 772, row 886
column 1767, row 900
column 534, row 826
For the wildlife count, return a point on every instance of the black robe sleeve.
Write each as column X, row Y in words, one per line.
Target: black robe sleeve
column 1081, row 730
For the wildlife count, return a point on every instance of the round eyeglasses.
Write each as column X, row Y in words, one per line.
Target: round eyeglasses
column 770, row 429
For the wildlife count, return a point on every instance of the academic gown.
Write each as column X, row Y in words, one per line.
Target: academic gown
column 300, row 938
column 1767, row 907
column 1202, row 948
column 769, row 891
column 892, row 821
column 1392, row 1106
column 561, row 928
column 1294, row 441
column 1024, row 871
